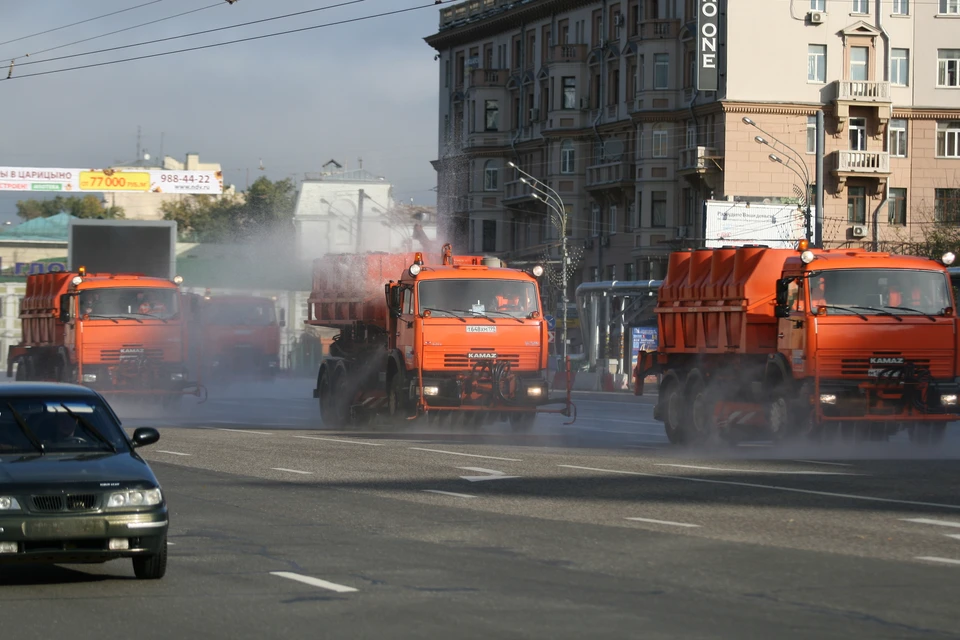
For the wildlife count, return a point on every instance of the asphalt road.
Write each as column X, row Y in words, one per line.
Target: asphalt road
column 597, row 529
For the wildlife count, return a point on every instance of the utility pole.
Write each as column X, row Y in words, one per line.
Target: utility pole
column 360, row 222
column 821, row 140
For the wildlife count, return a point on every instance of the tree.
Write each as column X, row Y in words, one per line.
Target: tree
column 204, row 218
column 88, row 206
column 269, row 206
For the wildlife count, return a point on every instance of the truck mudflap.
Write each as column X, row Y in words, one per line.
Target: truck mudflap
column 491, row 387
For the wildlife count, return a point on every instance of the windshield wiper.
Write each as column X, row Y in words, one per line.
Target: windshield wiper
column 507, row 314
column 880, row 311
column 843, row 308
column 97, row 315
column 89, row 427
column 145, row 315
column 26, row 430
column 923, row 313
column 432, row 309
column 477, row 314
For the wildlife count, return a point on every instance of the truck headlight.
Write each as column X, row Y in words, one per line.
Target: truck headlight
column 89, row 377
column 536, row 392
column 948, row 399
column 8, row 503
column 431, row 391
column 828, row 398
column 134, row 498
column 176, row 376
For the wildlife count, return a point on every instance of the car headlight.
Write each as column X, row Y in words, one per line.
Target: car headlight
column 828, row 398
column 176, row 376
column 948, row 399
column 9, row 504
column 89, row 377
column 134, row 498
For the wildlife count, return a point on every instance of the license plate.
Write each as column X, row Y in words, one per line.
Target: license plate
column 66, row 528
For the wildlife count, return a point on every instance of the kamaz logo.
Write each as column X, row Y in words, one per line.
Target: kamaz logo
column 886, row 360
column 131, row 351
column 483, row 356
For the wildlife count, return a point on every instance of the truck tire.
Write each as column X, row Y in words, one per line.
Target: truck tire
column 398, row 405
column 340, row 396
column 671, row 399
column 699, row 426
column 328, row 413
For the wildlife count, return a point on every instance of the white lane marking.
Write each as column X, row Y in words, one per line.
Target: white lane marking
column 306, row 473
column 794, row 473
column 672, row 524
column 493, row 474
column 751, row 485
column 942, row 523
column 313, row 582
column 942, row 560
column 174, row 453
column 259, row 433
column 468, row 455
column 369, row 444
column 449, row 493
column 832, row 464
column 955, row 536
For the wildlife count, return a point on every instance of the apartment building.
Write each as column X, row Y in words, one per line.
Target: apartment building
column 598, row 100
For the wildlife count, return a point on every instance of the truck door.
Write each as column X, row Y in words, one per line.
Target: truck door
column 406, row 338
column 790, row 330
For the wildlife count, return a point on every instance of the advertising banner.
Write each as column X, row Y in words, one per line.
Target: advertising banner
column 708, row 41
column 731, row 224
column 67, row 181
column 644, row 339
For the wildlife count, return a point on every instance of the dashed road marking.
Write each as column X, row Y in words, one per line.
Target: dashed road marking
column 833, row 464
column 942, row 523
column 369, row 444
column 940, row 560
column 306, row 473
column 772, row 471
column 449, row 493
column 751, row 485
column 955, row 536
column 468, row 455
column 492, row 474
column 667, row 522
column 313, row 582
column 173, row 453
column 259, row 433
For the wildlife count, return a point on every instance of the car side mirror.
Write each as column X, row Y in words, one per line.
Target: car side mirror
column 145, row 436
column 283, row 317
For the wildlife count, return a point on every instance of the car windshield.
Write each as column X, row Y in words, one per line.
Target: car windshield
column 49, row 422
column 130, row 302
column 512, row 297
column 880, row 291
column 233, row 313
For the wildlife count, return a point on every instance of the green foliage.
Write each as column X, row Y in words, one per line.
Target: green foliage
column 940, row 239
column 265, row 209
column 88, row 206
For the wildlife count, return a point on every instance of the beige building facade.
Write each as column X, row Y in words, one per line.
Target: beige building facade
column 598, row 100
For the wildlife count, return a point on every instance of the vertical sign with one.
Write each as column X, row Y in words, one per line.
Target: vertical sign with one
column 708, row 44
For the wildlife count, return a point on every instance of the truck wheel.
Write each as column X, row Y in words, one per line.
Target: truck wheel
column 700, row 427
column 672, row 401
column 924, row 434
column 397, row 404
column 324, row 391
column 340, row 397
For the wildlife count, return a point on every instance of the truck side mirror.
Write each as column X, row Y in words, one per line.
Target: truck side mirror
column 283, row 317
column 393, row 299
column 782, row 309
column 65, row 315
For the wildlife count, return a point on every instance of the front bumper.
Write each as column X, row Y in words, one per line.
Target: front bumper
column 878, row 400
column 66, row 538
column 459, row 393
column 163, row 378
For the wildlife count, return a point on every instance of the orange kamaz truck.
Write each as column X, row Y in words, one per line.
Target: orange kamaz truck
column 806, row 343
column 241, row 337
column 453, row 338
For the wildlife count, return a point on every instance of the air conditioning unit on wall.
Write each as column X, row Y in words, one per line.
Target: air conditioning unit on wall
column 859, row 231
column 817, row 17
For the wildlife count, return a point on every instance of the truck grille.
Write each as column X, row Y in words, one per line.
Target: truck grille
column 858, row 365
column 465, row 361
column 130, row 352
column 73, row 502
column 440, row 359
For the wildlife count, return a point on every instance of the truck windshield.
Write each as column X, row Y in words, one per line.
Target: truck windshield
column 880, row 291
column 235, row 313
column 130, row 302
column 511, row 297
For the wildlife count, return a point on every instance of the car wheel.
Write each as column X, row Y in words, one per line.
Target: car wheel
column 152, row 567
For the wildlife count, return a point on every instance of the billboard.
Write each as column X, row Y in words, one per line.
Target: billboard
column 33, row 179
column 738, row 223
column 708, row 44
column 644, row 339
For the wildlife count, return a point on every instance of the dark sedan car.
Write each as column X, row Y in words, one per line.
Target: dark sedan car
column 72, row 487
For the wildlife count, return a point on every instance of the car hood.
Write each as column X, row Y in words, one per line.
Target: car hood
column 87, row 470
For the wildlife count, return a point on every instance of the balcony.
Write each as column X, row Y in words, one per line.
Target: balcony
column 611, row 175
column 568, row 53
column 862, row 93
column 488, row 78
column 698, row 160
column 517, row 192
column 658, row 29
column 485, row 139
column 859, row 164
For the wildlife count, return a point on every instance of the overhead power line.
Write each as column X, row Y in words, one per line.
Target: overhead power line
column 73, row 24
column 195, row 33
column 221, row 44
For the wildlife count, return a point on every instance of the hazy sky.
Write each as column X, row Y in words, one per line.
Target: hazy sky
column 367, row 89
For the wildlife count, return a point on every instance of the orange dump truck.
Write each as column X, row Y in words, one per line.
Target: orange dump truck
column 455, row 338
column 785, row 343
column 241, row 336
column 118, row 334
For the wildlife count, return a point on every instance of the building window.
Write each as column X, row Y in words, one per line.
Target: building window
column 861, row 6
column 611, row 272
column 948, row 67
column 858, row 63
column 946, row 205
column 491, row 115
column 613, row 215
column 901, row 7
column 948, row 139
column 594, row 274
column 661, row 71
column 490, row 176
column 811, row 134
column 660, row 144
column 858, row 134
column 569, row 92
column 629, row 272
column 818, row 5
column 638, row 215
column 900, row 67
column 857, row 205
column 568, row 157
column 898, row 138
column 897, row 213
column 658, row 209
column 817, row 63
column 489, row 236
column 951, row 7
column 595, row 220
